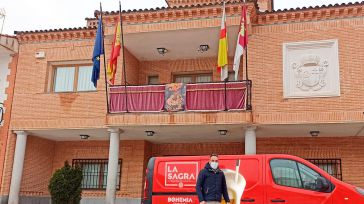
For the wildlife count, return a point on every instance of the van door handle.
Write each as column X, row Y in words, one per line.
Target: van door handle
column 248, row 200
column 277, row 201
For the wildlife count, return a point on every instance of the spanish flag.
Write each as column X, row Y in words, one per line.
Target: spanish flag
column 222, row 61
column 115, row 53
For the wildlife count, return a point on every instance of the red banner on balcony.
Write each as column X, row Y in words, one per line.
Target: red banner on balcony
column 175, row 97
column 139, row 99
column 178, row 97
column 212, row 96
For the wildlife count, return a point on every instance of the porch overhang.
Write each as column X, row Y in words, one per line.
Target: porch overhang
column 201, row 133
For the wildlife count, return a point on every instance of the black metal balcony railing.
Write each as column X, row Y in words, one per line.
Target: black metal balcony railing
column 214, row 96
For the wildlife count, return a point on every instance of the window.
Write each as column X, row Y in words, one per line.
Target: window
column 73, row 78
column 193, row 78
column 308, row 177
column 331, row 166
column 293, row 174
column 94, row 172
column 285, row 173
column 152, row 80
column 231, row 76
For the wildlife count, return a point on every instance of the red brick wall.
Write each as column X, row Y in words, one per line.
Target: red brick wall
column 32, row 102
column 266, row 72
column 38, row 167
column 265, row 67
column 197, row 149
column 132, row 69
column 166, row 69
column 131, row 153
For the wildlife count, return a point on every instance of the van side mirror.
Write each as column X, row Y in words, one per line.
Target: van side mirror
column 322, row 184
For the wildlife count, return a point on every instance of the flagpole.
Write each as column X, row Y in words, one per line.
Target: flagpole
column 249, row 92
column 225, row 90
column 103, row 44
column 124, row 64
column 249, row 95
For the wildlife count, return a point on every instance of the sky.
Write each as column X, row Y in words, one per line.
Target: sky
column 27, row 15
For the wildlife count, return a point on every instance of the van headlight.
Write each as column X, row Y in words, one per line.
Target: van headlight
column 360, row 190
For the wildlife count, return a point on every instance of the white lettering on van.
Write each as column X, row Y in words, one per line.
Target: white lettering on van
column 179, row 200
column 173, row 170
column 181, row 176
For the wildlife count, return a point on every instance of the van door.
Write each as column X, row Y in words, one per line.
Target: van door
column 251, row 167
column 175, row 180
column 292, row 182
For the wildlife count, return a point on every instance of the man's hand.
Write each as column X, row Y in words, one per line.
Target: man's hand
column 203, row 202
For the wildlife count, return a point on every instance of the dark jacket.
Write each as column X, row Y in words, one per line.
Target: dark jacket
column 211, row 184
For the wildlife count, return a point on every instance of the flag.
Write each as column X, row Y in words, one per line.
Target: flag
column 98, row 51
column 222, row 61
column 115, row 52
column 242, row 42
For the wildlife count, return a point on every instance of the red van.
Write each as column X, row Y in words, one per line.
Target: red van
column 259, row 179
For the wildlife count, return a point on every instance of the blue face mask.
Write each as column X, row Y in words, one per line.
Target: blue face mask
column 214, row 165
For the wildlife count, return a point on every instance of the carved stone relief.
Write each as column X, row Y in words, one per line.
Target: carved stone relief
column 311, row 69
column 310, row 72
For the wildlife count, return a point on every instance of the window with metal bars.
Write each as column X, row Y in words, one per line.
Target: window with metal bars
column 94, row 172
column 331, row 166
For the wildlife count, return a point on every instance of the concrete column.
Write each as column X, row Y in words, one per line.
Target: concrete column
column 112, row 169
column 250, row 141
column 21, row 141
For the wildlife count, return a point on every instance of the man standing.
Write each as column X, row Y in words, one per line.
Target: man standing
column 211, row 183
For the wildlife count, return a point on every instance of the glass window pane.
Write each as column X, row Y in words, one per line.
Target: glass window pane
column 105, row 176
column 231, row 76
column 285, row 173
column 203, row 78
column 329, row 168
column 309, row 177
column 84, row 79
column 64, row 78
column 91, row 176
column 153, row 80
column 183, row 79
column 94, row 173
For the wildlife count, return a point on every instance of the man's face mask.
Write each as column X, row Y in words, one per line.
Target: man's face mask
column 214, row 165
column 214, row 162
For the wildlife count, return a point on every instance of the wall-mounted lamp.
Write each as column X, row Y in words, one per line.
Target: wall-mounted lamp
column 203, row 48
column 84, row 137
column 162, row 50
column 314, row 133
column 222, row 132
column 150, row 133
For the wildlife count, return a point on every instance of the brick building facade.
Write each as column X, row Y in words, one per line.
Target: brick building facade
column 49, row 116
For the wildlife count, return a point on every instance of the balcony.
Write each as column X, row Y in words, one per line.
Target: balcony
column 178, row 97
